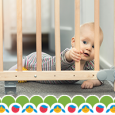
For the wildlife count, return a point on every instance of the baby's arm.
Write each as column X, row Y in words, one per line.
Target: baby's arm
column 13, row 68
column 73, row 54
column 89, row 84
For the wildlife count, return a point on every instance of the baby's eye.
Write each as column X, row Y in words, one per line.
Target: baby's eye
column 92, row 46
column 84, row 42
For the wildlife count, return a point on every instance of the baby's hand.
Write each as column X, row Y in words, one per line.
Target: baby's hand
column 75, row 55
column 87, row 85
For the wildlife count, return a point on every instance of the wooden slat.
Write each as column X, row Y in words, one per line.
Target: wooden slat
column 1, row 35
column 96, row 44
column 57, row 35
column 38, row 35
column 77, row 31
column 19, row 35
column 47, row 75
column 114, row 40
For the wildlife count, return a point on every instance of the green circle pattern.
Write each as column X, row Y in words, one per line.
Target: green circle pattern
column 64, row 100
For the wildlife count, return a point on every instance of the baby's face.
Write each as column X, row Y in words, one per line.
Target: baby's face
column 87, row 44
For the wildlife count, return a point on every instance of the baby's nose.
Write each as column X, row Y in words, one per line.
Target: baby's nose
column 89, row 47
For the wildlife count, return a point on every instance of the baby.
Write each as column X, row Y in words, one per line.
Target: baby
column 69, row 56
column 86, row 54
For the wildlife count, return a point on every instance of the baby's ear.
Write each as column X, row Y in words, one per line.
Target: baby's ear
column 73, row 42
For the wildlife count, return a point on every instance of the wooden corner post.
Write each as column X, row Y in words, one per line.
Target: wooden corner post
column 77, row 31
column 96, row 41
column 38, row 35
column 19, row 35
column 114, row 40
column 1, row 35
column 57, row 35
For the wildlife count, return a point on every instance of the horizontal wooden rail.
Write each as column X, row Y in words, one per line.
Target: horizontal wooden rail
column 47, row 75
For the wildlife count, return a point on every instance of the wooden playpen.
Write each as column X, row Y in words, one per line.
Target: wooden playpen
column 49, row 75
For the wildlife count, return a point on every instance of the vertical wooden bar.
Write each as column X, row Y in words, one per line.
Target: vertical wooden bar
column 96, row 44
column 38, row 35
column 114, row 40
column 77, row 31
column 1, row 35
column 19, row 35
column 57, row 35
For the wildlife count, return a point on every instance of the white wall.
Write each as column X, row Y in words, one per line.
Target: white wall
column 67, row 23
column 87, row 14
column 107, row 25
column 67, row 20
column 45, row 15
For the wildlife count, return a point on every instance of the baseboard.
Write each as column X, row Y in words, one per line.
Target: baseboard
column 104, row 64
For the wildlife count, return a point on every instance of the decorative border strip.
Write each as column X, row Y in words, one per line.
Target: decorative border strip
column 64, row 104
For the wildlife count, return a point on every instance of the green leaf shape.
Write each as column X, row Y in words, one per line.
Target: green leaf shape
column 78, row 100
column 36, row 100
column 0, row 101
column 64, row 100
column 22, row 100
column 8, row 100
column 50, row 100
column 106, row 100
column 114, row 100
column 92, row 100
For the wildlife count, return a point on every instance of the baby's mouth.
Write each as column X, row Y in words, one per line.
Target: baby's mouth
column 86, row 54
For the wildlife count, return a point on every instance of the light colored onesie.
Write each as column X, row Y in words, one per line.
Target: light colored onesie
column 49, row 64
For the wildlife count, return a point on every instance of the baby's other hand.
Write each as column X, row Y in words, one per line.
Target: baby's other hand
column 87, row 85
column 75, row 55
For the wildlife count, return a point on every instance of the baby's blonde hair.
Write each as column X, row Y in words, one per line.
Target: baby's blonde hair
column 91, row 25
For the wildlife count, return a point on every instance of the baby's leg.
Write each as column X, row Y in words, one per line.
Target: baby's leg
column 13, row 68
